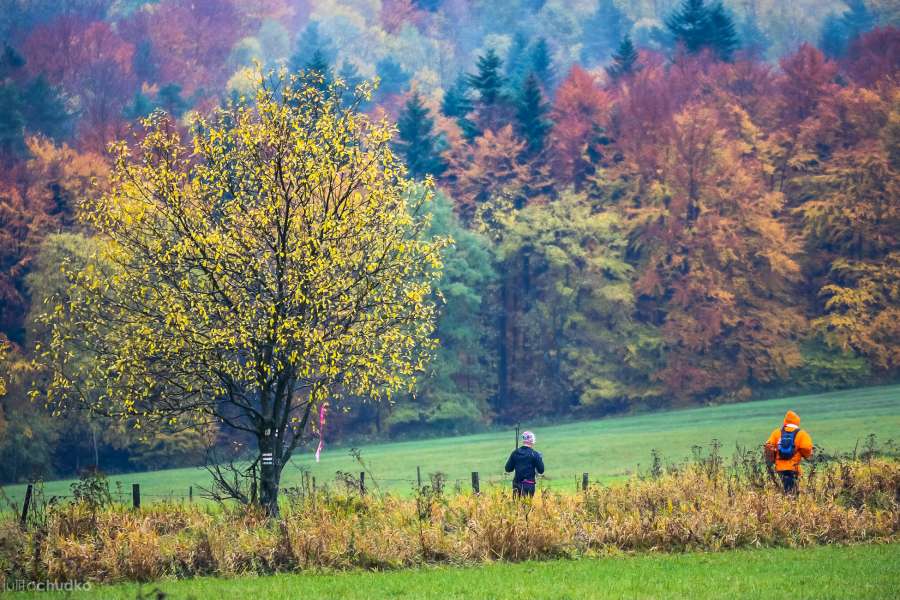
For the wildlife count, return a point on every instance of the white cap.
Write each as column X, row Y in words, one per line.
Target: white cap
column 527, row 437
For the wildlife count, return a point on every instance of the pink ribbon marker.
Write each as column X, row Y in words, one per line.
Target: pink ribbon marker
column 322, row 410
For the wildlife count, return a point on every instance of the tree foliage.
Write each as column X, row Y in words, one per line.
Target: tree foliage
column 717, row 259
column 28, row 435
column 698, row 26
column 570, row 338
column 754, row 41
column 457, row 104
column 40, row 203
column 579, row 113
column 751, row 174
column 417, row 142
column 541, row 64
column 487, row 81
column 488, row 169
column 851, row 220
column 491, row 107
column 27, row 105
column 531, row 116
column 268, row 265
column 4, row 353
column 605, row 28
column 624, row 61
column 454, row 395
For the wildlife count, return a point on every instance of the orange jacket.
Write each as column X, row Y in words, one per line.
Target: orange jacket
column 803, row 443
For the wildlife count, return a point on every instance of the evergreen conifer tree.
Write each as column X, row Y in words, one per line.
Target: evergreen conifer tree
column 625, row 60
column 723, row 36
column 417, row 142
column 494, row 106
column 10, row 61
column 833, row 39
column 488, row 81
column 697, row 26
column 12, row 123
column 318, row 63
column 457, row 105
column 857, row 20
column 517, row 60
column 309, row 43
column 531, row 115
column 350, row 74
column 394, row 79
column 754, row 41
column 456, row 102
column 139, row 107
column 542, row 63
column 603, row 30
column 169, row 99
column 351, row 77
column 34, row 106
column 838, row 32
column 689, row 24
column 44, row 108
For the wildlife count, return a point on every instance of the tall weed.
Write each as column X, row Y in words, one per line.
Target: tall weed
column 708, row 504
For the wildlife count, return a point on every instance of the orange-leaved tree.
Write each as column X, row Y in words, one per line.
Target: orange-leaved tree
column 851, row 217
column 717, row 266
column 579, row 115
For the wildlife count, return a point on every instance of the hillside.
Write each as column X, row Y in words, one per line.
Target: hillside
column 607, row 449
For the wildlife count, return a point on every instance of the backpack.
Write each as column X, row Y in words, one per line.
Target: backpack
column 787, row 446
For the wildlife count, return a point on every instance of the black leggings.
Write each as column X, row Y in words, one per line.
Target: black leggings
column 523, row 489
column 789, row 481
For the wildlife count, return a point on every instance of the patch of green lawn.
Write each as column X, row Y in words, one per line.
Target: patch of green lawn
column 865, row 571
column 608, row 449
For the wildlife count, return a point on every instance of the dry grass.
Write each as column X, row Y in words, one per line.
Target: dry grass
column 702, row 506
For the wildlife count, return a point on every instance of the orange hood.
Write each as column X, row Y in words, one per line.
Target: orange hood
column 792, row 418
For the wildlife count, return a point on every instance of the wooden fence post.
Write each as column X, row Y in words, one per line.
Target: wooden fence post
column 584, row 482
column 26, row 504
column 362, row 483
column 419, row 476
column 136, row 495
column 476, row 488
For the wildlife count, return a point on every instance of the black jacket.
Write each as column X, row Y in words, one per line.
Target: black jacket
column 526, row 461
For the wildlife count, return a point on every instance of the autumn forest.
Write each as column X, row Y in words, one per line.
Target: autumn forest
column 651, row 204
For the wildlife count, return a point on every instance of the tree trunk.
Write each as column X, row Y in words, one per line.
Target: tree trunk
column 96, row 452
column 270, row 466
column 503, row 347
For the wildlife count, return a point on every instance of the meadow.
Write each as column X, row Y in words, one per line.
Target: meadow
column 858, row 571
column 702, row 506
column 712, row 501
column 608, row 449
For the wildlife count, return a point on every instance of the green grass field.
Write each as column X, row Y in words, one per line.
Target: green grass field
column 865, row 571
column 607, row 449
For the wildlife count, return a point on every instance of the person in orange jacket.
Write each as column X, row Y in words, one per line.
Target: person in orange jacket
column 786, row 447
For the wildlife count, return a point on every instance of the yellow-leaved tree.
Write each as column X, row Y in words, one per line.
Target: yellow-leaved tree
column 271, row 263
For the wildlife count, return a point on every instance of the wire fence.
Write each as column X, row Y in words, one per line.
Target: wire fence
column 124, row 494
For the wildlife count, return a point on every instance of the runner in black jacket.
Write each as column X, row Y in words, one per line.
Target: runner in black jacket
column 527, row 462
